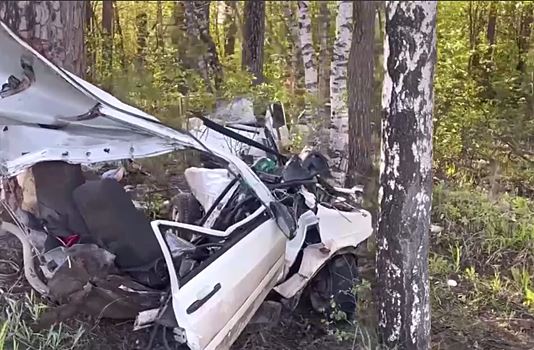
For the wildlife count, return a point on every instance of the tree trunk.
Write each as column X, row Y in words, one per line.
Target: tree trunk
column 324, row 75
column 406, row 175
column 141, row 25
column 54, row 28
column 489, row 64
column 324, row 53
column 107, row 44
column 107, row 34
column 523, row 40
column 91, row 48
column 160, row 43
column 230, row 27
column 179, row 37
column 360, row 92
column 490, row 32
column 202, row 48
column 122, row 52
column 294, row 44
column 253, row 38
column 306, row 47
column 339, row 119
column 476, row 26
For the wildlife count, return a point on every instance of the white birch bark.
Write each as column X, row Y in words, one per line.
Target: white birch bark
column 339, row 115
column 306, row 46
column 293, row 27
column 405, row 193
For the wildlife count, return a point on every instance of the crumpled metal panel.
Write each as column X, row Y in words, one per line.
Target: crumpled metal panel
column 59, row 116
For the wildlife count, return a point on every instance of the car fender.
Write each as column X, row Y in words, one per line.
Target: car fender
column 339, row 235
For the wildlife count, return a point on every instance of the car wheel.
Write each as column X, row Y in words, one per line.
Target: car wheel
column 332, row 289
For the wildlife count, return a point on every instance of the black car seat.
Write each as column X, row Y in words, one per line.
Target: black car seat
column 119, row 227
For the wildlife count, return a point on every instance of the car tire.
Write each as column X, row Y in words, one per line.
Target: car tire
column 332, row 289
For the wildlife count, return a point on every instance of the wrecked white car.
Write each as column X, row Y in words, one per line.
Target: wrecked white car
column 269, row 229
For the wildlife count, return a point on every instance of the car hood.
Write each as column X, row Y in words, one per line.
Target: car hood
column 48, row 113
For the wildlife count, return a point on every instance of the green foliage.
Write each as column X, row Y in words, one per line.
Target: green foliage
column 492, row 241
column 483, row 100
column 164, row 84
column 17, row 333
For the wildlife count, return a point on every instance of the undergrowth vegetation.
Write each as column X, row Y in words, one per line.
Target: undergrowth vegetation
column 482, row 267
column 17, row 333
column 485, row 240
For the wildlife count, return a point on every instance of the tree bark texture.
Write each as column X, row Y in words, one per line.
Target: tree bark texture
column 491, row 30
column 230, row 27
column 54, row 28
column 120, row 44
column 324, row 75
column 141, row 25
column 339, row 118
column 306, row 47
column 324, row 53
column 91, row 46
column 523, row 40
column 202, row 47
column 294, row 34
column 160, row 43
column 360, row 92
column 253, row 39
column 406, row 175
column 107, row 36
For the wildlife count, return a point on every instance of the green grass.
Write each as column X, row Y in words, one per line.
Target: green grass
column 17, row 333
column 487, row 247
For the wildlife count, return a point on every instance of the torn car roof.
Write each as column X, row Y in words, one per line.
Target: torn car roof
column 47, row 113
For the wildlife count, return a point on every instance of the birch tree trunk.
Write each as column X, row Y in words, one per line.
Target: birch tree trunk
column 339, row 118
column 54, row 28
column 324, row 75
column 295, row 57
column 406, row 175
column 324, row 53
column 253, row 37
column 360, row 92
column 306, row 47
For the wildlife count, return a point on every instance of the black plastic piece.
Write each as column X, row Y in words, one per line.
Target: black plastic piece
column 197, row 304
column 227, row 132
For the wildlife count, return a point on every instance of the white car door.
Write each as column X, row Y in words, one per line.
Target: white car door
column 216, row 303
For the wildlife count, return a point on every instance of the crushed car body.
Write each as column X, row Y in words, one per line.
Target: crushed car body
column 266, row 226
